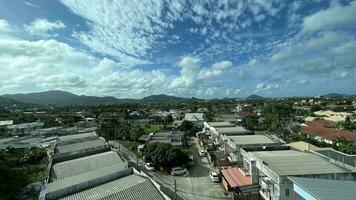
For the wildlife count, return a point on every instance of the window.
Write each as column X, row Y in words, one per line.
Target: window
column 287, row 192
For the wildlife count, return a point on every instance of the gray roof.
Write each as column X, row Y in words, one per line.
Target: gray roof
column 237, row 130
column 80, row 146
column 194, row 117
column 81, row 165
column 76, row 136
column 327, row 189
column 84, row 177
column 132, row 187
column 221, row 124
column 251, row 139
column 291, row 162
column 25, row 125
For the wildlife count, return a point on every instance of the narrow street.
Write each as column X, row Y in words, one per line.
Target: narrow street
column 197, row 185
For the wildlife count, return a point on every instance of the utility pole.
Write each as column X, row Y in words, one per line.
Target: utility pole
column 175, row 189
column 137, row 159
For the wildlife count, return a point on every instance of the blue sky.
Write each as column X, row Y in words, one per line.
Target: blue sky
column 206, row 49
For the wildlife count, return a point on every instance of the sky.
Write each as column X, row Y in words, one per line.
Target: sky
column 206, row 49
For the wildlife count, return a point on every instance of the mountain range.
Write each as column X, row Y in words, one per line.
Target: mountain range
column 62, row 98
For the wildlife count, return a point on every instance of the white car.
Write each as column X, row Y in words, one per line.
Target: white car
column 176, row 171
column 214, row 176
column 149, row 167
column 202, row 152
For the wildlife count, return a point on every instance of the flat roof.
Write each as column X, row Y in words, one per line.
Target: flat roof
column 80, row 146
column 232, row 130
column 81, row 165
column 221, row 124
column 125, row 188
column 291, row 162
column 6, row 122
column 251, row 139
column 327, row 189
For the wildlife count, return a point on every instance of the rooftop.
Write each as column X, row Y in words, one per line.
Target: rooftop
column 26, row 125
column 323, row 129
column 6, row 122
column 80, row 146
column 81, row 165
column 194, row 117
column 291, row 162
column 238, row 130
column 221, row 124
column 251, row 139
column 235, row 177
column 86, row 177
column 76, row 136
column 132, row 187
column 327, row 189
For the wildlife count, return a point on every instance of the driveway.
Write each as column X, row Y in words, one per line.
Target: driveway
column 196, row 185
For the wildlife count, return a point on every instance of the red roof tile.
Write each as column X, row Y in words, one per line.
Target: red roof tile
column 323, row 129
column 235, row 177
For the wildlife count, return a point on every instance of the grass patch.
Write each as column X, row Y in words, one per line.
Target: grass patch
column 152, row 128
column 131, row 145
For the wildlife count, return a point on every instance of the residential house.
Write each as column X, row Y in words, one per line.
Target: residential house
column 322, row 131
column 271, row 169
column 234, row 144
column 196, row 118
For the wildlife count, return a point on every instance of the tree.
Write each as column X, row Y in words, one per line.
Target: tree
column 186, row 125
column 165, row 155
column 250, row 122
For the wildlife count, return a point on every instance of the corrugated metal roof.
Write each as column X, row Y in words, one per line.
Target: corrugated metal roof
column 80, row 146
column 235, row 177
column 81, row 165
column 84, row 177
column 77, row 136
column 132, row 187
column 290, row 162
column 327, row 189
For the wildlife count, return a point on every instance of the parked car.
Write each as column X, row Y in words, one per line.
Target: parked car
column 149, row 167
column 214, row 176
column 176, row 171
column 202, row 152
column 191, row 160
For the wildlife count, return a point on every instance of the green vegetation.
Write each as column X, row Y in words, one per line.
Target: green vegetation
column 19, row 168
column 131, row 145
column 164, row 155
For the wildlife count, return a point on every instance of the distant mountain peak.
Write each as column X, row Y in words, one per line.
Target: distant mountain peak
column 255, row 96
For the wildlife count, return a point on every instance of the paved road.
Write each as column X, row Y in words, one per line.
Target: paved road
column 195, row 186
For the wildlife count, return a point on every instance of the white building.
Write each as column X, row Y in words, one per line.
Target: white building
column 270, row 170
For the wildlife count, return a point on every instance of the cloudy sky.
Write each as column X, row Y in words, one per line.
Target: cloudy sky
column 206, row 49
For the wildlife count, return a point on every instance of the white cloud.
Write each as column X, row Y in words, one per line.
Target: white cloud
column 4, row 26
column 31, row 4
column 334, row 17
column 216, row 69
column 188, row 74
column 43, row 27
